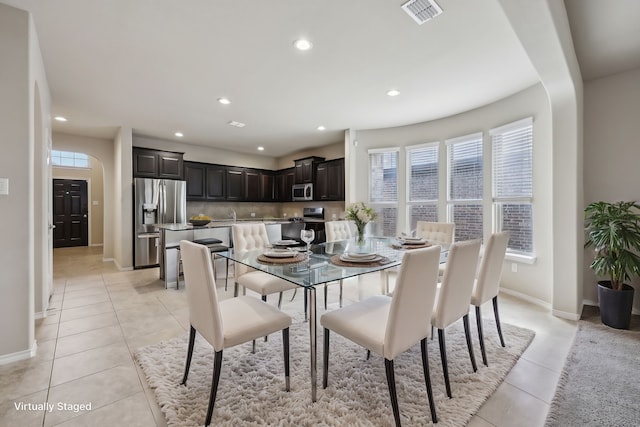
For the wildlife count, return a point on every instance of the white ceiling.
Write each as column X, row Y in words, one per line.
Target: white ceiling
column 158, row 66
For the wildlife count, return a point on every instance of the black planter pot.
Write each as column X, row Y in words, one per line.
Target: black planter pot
column 615, row 306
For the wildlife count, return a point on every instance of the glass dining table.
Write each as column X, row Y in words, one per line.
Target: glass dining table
column 327, row 262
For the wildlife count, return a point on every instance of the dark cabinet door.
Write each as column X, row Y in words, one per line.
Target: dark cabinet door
column 235, row 184
column 321, row 187
column 252, row 185
column 284, row 182
column 216, row 183
column 145, row 163
column 307, row 171
column 267, row 186
column 330, row 180
column 335, row 180
column 195, row 175
column 169, row 165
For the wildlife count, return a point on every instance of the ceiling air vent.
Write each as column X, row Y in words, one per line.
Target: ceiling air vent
column 422, row 10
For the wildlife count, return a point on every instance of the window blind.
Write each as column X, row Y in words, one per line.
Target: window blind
column 465, row 168
column 423, row 173
column 513, row 163
column 383, row 169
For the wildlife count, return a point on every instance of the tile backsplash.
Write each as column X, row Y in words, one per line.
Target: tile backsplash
column 223, row 210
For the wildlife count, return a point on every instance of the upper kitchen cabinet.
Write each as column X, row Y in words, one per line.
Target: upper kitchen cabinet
column 235, row 184
column 204, row 181
column 305, row 169
column 284, row 183
column 149, row 163
column 329, row 183
column 253, row 185
column 267, row 186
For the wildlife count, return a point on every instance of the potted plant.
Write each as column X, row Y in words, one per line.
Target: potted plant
column 613, row 229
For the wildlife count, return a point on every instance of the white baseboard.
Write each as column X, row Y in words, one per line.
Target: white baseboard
column 19, row 355
column 566, row 315
column 526, row 297
column 95, row 244
column 40, row 315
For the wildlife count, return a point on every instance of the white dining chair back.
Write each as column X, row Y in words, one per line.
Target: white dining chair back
column 202, row 297
column 225, row 323
column 439, row 233
column 338, row 230
column 390, row 325
column 487, row 283
column 452, row 302
column 248, row 237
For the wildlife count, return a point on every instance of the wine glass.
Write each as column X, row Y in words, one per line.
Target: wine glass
column 307, row 236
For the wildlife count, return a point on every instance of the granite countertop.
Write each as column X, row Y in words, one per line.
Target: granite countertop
column 219, row 224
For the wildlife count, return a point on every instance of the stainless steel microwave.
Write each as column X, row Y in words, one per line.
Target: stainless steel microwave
column 302, row 192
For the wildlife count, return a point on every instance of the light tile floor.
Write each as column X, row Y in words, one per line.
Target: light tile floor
column 99, row 316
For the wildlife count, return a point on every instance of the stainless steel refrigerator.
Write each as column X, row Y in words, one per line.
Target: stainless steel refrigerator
column 156, row 201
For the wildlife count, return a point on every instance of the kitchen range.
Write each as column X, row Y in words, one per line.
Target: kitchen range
column 311, row 219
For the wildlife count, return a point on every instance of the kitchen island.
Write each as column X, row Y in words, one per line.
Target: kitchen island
column 172, row 234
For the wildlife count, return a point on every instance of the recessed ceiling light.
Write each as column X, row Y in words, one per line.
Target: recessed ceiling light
column 60, row 118
column 236, row 124
column 393, row 92
column 179, row 134
column 261, row 148
column 224, row 101
column 302, row 44
column 321, row 128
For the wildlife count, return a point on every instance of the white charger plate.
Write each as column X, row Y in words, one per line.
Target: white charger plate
column 347, row 258
column 285, row 242
column 280, row 254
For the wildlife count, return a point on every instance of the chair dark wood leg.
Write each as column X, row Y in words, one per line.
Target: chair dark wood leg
column 264, row 299
column 306, row 312
column 217, row 367
column 325, row 296
column 481, row 335
column 443, row 358
column 340, row 293
column 280, row 296
column 192, row 340
column 325, row 361
column 368, row 354
column 391, row 382
column 432, row 335
column 236, row 289
column 427, row 379
column 495, row 313
column 285, row 345
column 467, row 334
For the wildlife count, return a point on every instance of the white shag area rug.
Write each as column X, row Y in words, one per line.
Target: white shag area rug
column 252, row 387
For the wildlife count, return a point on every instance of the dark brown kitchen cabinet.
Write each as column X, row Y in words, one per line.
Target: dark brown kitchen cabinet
column 284, row 182
column 329, row 184
column 195, row 175
column 216, row 188
column 235, row 184
column 149, row 163
column 204, row 181
column 252, row 185
column 267, row 186
column 305, row 169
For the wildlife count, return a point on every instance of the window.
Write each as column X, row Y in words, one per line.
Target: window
column 464, row 185
column 383, row 190
column 69, row 159
column 422, row 183
column 513, row 183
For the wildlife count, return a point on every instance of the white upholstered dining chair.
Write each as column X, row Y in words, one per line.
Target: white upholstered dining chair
column 388, row 325
column 335, row 231
column 437, row 233
column 452, row 302
column 226, row 323
column 247, row 237
column 488, row 283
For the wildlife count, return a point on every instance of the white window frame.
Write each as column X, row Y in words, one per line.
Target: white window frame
column 409, row 202
column 75, row 156
column 496, row 201
column 390, row 204
column 449, row 201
